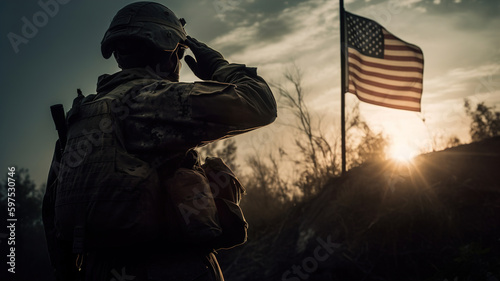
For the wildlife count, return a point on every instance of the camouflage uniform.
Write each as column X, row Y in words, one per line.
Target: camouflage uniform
column 161, row 116
column 159, row 120
column 155, row 121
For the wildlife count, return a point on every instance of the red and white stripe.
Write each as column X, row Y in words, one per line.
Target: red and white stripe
column 394, row 81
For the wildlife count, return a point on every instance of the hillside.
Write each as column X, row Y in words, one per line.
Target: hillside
column 437, row 218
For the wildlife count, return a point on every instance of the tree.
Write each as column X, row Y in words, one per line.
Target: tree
column 319, row 157
column 268, row 195
column 485, row 121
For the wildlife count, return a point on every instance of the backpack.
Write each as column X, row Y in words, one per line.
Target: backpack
column 206, row 199
column 107, row 197
column 227, row 191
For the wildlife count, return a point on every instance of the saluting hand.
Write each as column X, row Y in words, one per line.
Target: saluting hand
column 207, row 59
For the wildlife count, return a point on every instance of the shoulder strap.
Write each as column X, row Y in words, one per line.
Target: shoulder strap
column 59, row 118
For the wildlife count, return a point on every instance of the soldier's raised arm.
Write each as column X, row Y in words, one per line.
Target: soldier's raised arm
column 242, row 99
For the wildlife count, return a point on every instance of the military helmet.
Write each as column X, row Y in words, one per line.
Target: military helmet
column 148, row 21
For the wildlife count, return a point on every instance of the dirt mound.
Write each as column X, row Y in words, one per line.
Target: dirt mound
column 436, row 218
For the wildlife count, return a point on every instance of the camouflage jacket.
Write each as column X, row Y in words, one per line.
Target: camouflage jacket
column 159, row 116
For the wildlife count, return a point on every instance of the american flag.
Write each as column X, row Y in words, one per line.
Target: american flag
column 382, row 69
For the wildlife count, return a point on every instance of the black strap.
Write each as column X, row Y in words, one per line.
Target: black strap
column 59, row 118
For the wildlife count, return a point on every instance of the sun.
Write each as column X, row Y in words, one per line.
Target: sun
column 402, row 153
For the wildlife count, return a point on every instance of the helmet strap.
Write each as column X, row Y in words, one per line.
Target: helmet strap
column 173, row 65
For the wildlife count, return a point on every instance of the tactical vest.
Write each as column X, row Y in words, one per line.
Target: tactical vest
column 107, row 197
column 103, row 191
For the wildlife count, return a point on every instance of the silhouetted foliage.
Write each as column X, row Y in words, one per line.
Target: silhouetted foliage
column 268, row 195
column 453, row 141
column 364, row 144
column 318, row 157
column 225, row 149
column 435, row 220
column 485, row 121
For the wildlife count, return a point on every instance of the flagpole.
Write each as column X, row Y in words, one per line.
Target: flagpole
column 343, row 50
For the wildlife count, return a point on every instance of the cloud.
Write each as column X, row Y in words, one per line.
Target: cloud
column 297, row 33
column 464, row 82
column 470, row 14
column 460, row 43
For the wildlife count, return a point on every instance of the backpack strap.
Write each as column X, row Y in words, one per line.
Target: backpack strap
column 59, row 118
column 81, row 216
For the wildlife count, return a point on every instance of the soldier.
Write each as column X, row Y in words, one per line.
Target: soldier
column 142, row 120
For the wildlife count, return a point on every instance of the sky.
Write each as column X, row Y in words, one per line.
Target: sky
column 49, row 48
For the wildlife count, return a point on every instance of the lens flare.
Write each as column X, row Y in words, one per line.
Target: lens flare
column 403, row 153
